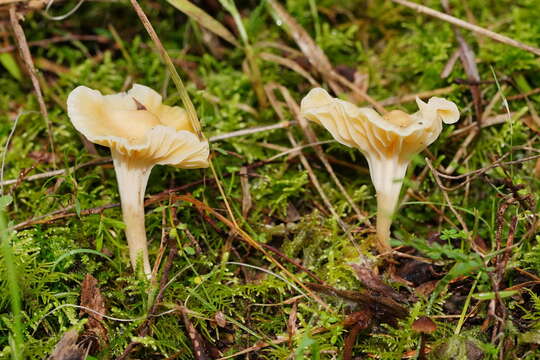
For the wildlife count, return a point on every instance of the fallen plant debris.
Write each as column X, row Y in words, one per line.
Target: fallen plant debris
column 268, row 254
column 198, row 343
column 95, row 335
column 67, row 348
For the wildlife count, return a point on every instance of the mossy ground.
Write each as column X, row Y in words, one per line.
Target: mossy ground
column 399, row 52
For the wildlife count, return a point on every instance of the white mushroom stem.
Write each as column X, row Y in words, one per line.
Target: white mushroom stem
column 387, row 175
column 132, row 179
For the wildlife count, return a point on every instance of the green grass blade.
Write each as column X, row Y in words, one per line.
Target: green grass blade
column 82, row 251
column 203, row 19
column 11, row 66
column 14, row 291
column 182, row 91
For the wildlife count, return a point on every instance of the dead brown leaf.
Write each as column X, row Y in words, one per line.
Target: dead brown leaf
column 416, row 272
column 291, row 324
column 95, row 332
column 374, row 283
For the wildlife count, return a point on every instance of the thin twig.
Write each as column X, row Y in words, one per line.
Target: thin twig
column 291, row 64
column 486, row 122
column 261, row 345
column 294, row 262
column 250, row 241
column 396, row 100
column 58, row 39
column 197, row 341
column 22, row 44
column 474, row 174
column 52, row 173
column 524, row 95
column 468, row 59
column 277, row 108
column 222, row 193
column 449, row 67
column 461, row 151
column 446, row 197
column 463, row 24
column 61, row 214
column 312, row 138
column 423, row 199
column 253, row 130
column 216, row 100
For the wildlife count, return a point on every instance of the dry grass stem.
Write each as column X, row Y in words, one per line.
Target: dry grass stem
column 59, row 39
column 396, row 100
column 490, row 121
column 56, row 172
column 192, row 114
column 312, row 138
column 462, row 151
column 204, row 20
column 291, row 64
column 446, row 197
column 524, row 95
column 249, row 131
column 466, row 25
column 468, row 59
column 107, row 160
column 449, row 67
column 29, row 63
column 270, row 88
column 250, row 241
column 317, row 57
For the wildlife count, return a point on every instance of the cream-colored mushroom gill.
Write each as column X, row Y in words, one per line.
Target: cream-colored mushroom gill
column 388, row 142
column 141, row 132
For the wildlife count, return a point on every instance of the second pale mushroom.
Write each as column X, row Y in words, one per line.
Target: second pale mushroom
column 141, row 132
column 388, row 142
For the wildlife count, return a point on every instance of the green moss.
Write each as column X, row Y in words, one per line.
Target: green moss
column 401, row 52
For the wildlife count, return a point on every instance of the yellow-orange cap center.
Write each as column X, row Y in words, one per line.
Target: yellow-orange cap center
column 399, row 118
column 132, row 124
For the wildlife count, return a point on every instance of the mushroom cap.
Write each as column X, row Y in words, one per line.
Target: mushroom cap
column 396, row 134
column 424, row 325
column 137, row 125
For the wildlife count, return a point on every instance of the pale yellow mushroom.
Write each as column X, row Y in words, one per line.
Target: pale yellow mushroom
column 141, row 132
column 388, row 142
